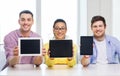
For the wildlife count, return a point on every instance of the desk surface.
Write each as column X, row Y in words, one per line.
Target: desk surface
column 63, row 70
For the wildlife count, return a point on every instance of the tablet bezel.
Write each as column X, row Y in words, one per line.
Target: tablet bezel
column 82, row 47
column 61, row 56
column 29, row 38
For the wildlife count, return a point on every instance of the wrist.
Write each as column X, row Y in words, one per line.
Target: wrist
column 69, row 59
column 86, row 56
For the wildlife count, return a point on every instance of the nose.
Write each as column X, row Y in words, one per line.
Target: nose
column 25, row 22
column 59, row 30
column 98, row 28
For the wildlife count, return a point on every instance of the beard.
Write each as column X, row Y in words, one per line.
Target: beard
column 99, row 37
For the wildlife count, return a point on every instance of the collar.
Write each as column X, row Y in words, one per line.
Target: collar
column 66, row 37
column 20, row 35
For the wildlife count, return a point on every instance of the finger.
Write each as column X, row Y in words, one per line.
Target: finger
column 43, row 53
column 86, row 56
column 52, row 58
column 15, row 51
column 48, row 52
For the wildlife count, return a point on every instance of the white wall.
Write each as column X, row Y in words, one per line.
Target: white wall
column 53, row 9
column 9, row 14
column 116, row 18
column 100, row 7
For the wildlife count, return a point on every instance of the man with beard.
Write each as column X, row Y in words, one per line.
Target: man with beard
column 106, row 49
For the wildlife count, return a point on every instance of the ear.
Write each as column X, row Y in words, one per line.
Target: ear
column 53, row 31
column 65, row 31
column 91, row 28
column 33, row 21
column 105, row 26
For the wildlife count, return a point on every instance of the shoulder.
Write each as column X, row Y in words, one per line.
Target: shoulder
column 46, row 44
column 34, row 34
column 75, row 47
column 112, row 39
column 11, row 34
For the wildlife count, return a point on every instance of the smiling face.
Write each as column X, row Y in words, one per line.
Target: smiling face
column 26, row 22
column 60, row 30
column 98, row 28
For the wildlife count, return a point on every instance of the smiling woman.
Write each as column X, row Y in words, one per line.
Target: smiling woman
column 58, row 10
column 9, row 17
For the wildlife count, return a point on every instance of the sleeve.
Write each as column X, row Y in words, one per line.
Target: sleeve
column 117, row 43
column 72, row 62
column 9, row 44
column 48, row 61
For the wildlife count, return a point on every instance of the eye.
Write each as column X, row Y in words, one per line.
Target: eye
column 56, row 28
column 62, row 28
column 100, row 25
column 22, row 19
column 29, row 19
column 95, row 26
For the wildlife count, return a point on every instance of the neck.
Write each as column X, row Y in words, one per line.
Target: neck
column 59, row 38
column 25, row 33
column 100, row 38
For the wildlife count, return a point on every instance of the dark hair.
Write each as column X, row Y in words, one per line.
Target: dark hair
column 27, row 12
column 98, row 18
column 59, row 20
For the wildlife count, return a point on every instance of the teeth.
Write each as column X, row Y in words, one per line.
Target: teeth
column 25, row 26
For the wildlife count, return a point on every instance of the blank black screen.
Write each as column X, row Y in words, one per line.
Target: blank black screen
column 30, row 46
column 86, row 47
column 60, row 48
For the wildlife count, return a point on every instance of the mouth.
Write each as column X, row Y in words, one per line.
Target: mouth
column 25, row 26
column 60, row 35
column 98, row 32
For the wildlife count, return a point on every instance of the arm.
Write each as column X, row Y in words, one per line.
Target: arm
column 72, row 61
column 48, row 61
column 39, row 59
column 11, row 50
column 85, row 60
column 15, row 59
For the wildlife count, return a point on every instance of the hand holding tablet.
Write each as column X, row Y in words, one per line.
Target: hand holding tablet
column 30, row 46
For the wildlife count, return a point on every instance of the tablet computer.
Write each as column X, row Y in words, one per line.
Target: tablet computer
column 30, row 46
column 86, row 45
column 60, row 48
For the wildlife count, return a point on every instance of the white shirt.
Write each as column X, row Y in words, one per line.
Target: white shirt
column 101, row 51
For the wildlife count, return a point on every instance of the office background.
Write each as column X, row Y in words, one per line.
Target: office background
column 76, row 13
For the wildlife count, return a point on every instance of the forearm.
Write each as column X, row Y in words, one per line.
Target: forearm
column 13, row 60
column 71, row 62
column 49, row 61
column 37, row 60
column 85, row 61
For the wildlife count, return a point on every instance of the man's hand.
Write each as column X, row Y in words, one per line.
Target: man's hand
column 85, row 60
column 15, row 51
column 38, row 60
column 15, row 59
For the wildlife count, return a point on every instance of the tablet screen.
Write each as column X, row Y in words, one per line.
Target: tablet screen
column 86, row 45
column 29, row 46
column 60, row 48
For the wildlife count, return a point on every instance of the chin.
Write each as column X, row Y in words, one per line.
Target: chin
column 27, row 29
column 99, row 36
